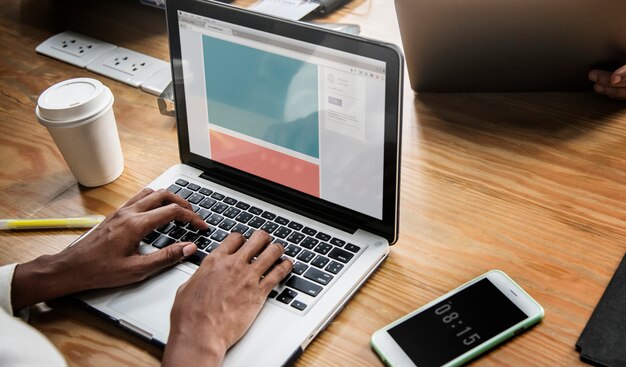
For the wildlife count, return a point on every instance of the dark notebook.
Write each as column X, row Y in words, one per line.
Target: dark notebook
column 603, row 341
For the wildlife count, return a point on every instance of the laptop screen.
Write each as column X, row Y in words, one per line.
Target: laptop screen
column 301, row 115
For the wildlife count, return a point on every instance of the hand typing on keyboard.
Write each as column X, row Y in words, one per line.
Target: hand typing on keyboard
column 108, row 256
column 208, row 316
column 216, row 306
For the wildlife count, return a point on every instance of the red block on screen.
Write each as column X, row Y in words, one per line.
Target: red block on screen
column 266, row 163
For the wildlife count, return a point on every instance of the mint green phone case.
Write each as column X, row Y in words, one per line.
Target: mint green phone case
column 480, row 349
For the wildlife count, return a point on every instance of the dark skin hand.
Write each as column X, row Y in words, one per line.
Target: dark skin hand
column 218, row 304
column 108, row 256
column 207, row 318
column 612, row 84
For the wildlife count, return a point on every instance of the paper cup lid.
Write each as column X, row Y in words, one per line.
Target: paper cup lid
column 72, row 101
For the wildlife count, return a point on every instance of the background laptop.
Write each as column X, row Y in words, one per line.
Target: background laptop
column 513, row 45
column 283, row 127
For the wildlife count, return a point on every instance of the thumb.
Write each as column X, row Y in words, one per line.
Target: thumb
column 167, row 256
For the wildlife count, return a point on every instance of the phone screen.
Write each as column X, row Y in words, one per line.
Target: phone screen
column 457, row 324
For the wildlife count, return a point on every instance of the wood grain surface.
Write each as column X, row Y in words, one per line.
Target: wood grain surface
column 533, row 184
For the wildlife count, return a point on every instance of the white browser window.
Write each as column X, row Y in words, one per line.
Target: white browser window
column 307, row 117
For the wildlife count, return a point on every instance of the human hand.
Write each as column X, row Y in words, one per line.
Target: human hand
column 610, row 84
column 217, row 305
column 109, row 255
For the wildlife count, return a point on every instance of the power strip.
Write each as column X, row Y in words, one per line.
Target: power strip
column 121, row 64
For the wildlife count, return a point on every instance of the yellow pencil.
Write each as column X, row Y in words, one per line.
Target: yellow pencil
column 49, row 223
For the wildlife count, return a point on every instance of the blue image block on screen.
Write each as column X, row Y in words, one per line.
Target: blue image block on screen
column 262, row 95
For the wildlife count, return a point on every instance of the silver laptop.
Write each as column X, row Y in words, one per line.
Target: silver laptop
column 512, row 45
column 283, row 127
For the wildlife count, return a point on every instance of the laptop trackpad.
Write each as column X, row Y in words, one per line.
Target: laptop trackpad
column 148, row 304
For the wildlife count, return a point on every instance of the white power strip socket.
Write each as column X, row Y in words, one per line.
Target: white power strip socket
column 127, row 66
column 121, row 64
column 73, row 48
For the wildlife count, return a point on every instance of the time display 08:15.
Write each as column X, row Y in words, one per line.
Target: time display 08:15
column 452, row 319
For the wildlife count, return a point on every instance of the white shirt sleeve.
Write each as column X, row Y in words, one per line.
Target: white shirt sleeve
column 20, row 344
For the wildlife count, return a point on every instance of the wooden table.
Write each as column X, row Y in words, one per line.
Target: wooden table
column 533, row 184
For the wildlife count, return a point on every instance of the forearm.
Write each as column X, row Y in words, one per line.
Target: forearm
column 45, row 278
column 192, row 349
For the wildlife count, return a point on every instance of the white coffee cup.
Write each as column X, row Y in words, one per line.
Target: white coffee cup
column 79, row 116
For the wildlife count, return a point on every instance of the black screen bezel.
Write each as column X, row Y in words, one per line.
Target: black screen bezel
column 277, row 194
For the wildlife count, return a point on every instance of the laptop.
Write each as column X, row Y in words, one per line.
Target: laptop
column 284, row 127
column 513, row 45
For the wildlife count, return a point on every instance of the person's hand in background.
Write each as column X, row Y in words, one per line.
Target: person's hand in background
column 612, row 84
column 108, row 256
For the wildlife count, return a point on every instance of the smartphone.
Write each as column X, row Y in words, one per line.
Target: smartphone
column 459, row 326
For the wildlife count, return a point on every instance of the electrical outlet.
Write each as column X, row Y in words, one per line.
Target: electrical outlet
column 73, row 48
column 126, row 66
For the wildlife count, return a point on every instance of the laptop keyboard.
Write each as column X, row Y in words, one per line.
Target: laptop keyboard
column 318, row 258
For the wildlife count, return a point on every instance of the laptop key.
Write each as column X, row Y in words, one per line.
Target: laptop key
column 268, row 215
column 219, row 235
column 309, row 243
column 318, row 276
column 243, row 206
column 205, row 191
column 184, row 193
column 306, row 256
column 295, row 225
column 282, row 220
column 304, row 286
column 197, row 257
column 352, row 248
column 215, row 219
column 292, row 250
column 286, row 296
column 181, row 182
column 244, row 217
column 193, row 187
column 202, row 242
column 163, row 241
column 189, row 237
column 178, row 232
column 323, row 248
column 334, row 267
column 320, row 261
column 230, row 201
column 256, row 222
column 150, row 237
column 337, row 242
column 272, row 294
column 299, row 268
column 203, row 213
column 207, row 203
column 195, row 198
column 282, row 232
column 269, row 227
column 295, row 237
column 254, row 210
column 298, row 305
column 341, row 255
column 219, row 207
column 231, row 212
column 174, row 188
column 227, row 224
column 249, row 234
column 309, row 231
column 322, row 236
column 212, row 247
column 217, row 196
column 280, row 242
column 166, row 227
column 206, row 232
column 241, row 228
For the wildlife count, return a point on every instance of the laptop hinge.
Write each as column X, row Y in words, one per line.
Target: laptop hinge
column 324, row 217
